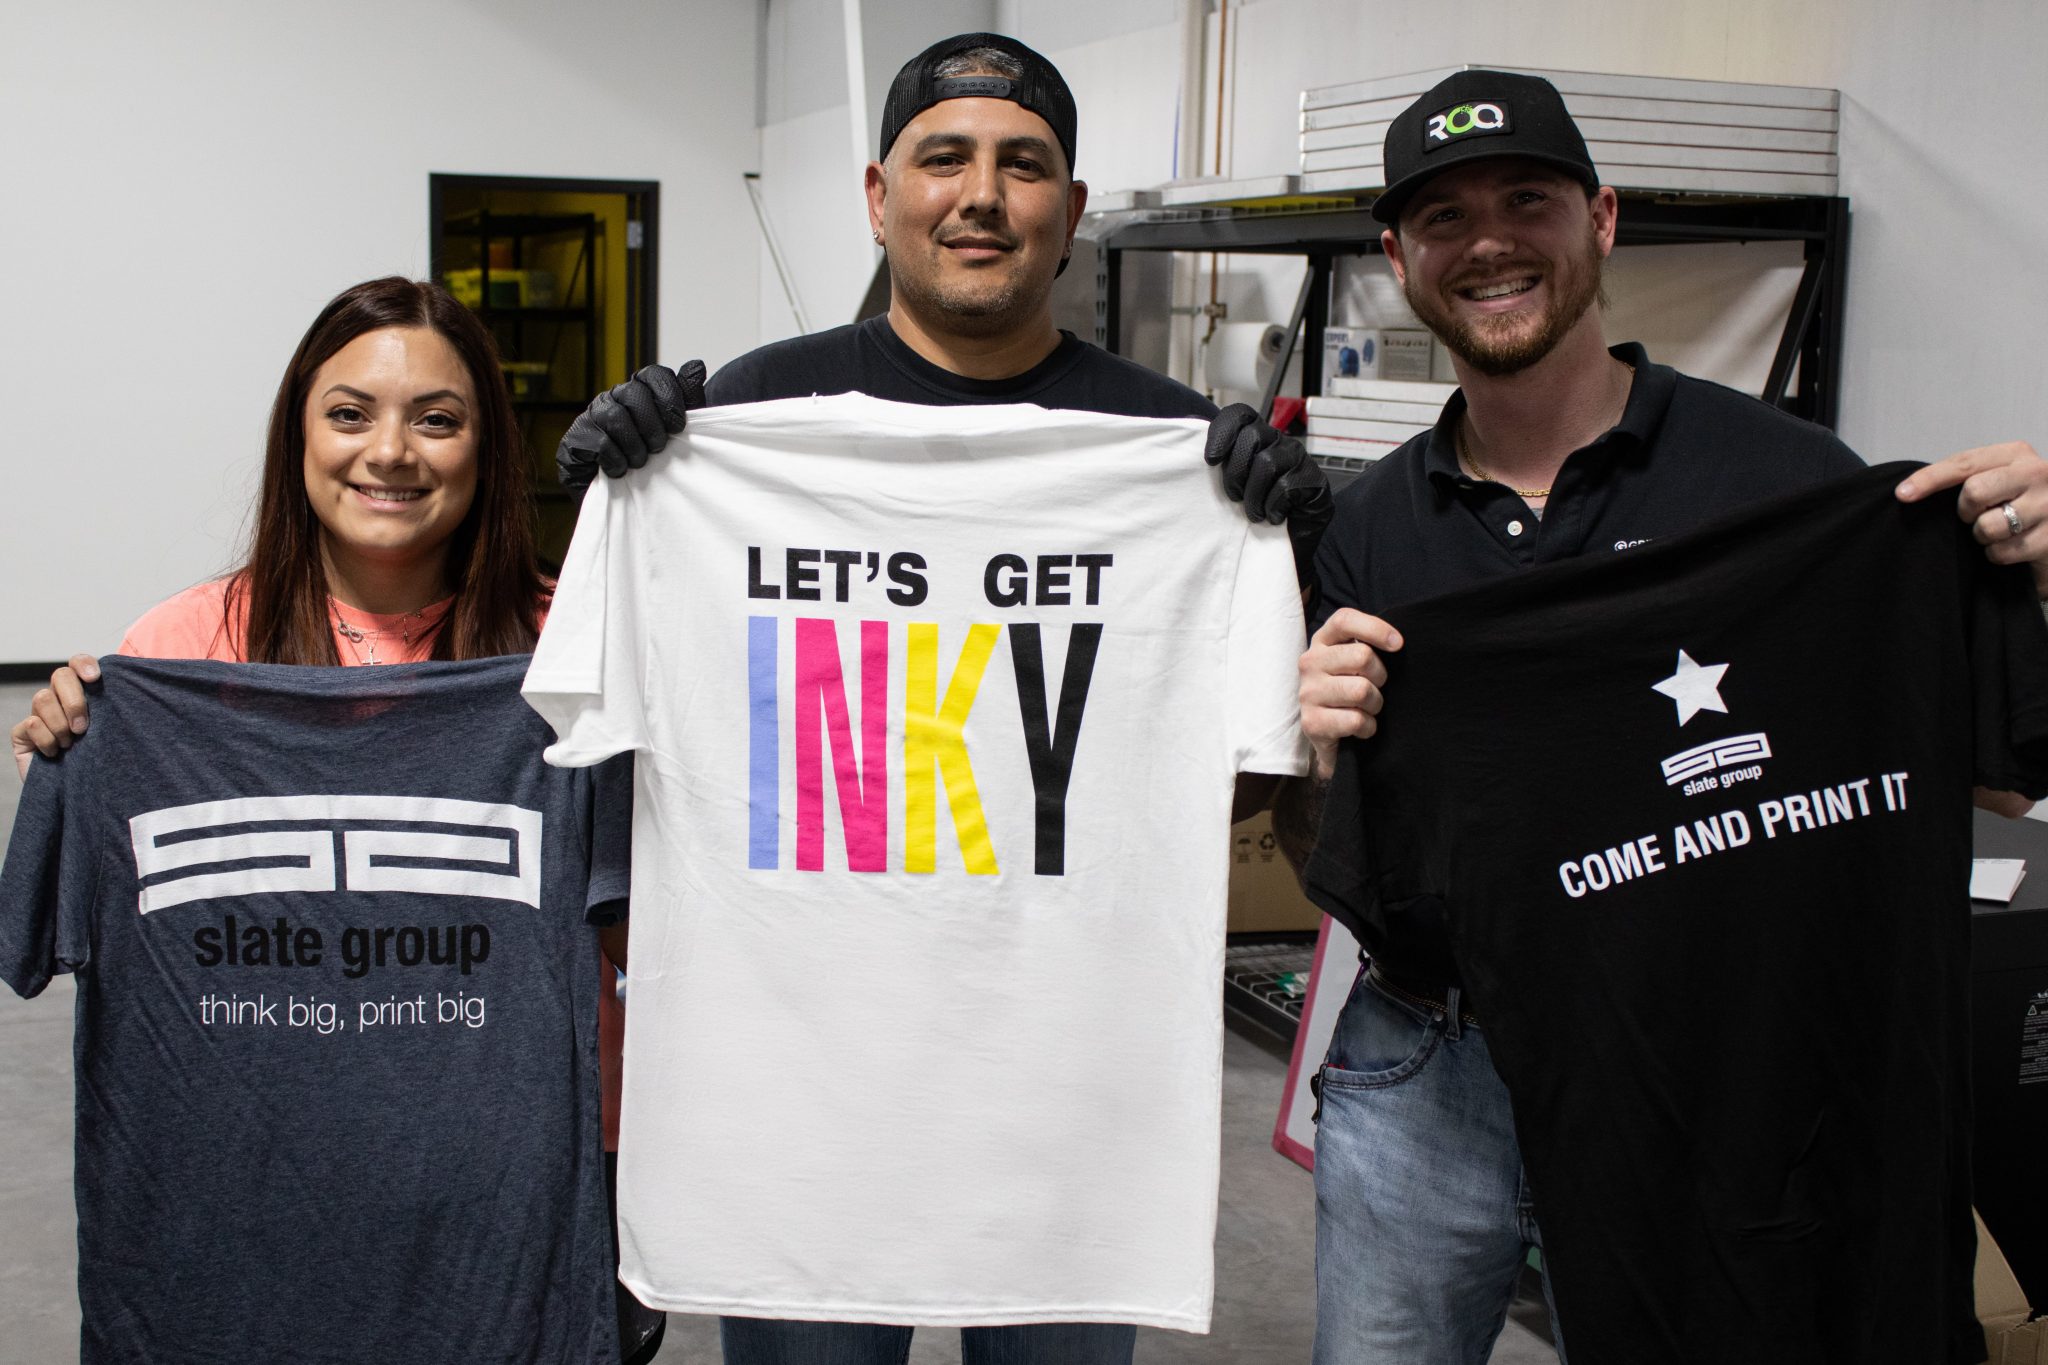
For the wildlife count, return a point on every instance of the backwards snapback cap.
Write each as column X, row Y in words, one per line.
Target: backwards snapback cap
column 1472, row 115
column 1041, row 88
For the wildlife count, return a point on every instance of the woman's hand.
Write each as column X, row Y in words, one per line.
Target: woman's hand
column 56, row 716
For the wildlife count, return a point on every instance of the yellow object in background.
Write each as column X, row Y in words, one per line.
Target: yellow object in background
column 509, row 288
column 525, row 378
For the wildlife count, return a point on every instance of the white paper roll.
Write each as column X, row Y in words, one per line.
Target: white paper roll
column 1241, row 354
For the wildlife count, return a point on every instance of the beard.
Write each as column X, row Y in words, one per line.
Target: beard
column 976, row 308
column 1504, row 345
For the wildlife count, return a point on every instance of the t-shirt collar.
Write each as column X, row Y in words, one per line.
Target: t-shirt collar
column 943, row 381
column 413, row 621
column 1649, row 397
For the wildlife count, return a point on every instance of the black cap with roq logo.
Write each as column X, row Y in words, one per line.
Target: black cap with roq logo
column 1471, row 115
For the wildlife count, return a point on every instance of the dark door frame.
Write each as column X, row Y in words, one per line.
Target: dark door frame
column 643, row 337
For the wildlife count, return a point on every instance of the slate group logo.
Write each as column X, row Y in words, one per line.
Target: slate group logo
column 1464, row 120
column 254, row 845
column 1695, row 687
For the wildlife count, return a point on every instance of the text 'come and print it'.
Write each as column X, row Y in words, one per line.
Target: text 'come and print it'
column 1694, row 689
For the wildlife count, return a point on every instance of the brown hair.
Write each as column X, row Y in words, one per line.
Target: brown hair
column 491, row 555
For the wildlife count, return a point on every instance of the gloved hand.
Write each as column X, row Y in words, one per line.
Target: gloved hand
column 621, row 428
column 1273, row 476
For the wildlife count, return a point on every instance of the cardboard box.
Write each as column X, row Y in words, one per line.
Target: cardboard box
column 2002, row 1309
column 1264, row 895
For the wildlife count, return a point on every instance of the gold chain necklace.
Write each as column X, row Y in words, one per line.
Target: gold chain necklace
column 1472, row 468
column 1472, row 465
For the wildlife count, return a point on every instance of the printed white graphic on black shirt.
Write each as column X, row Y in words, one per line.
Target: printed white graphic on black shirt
column 1718, row 763
column 1694, row 687
column 1715, row 766
column 418, row 844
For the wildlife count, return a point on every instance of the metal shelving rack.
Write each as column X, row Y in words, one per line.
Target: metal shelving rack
column 1810, row 346
column 486, row 227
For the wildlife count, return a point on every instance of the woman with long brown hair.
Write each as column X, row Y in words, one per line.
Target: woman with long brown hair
column 394, row 525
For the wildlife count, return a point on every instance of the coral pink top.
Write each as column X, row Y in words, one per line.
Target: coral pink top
column 194, row 625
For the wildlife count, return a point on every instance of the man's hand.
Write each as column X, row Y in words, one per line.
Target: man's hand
column 1341, row 677
column 1996, row 478
column 1273, row 476
column 622, row 427
column 2009, row 804
column 56, row 713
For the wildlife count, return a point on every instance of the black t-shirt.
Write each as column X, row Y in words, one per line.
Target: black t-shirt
column 1699, row 823
column 1414, row 526
column 868, row 357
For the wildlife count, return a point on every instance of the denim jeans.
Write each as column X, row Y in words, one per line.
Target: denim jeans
column 1423, row 1218
column 765, row 1341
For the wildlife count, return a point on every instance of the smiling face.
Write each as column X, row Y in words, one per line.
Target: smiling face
column 391, row 447
column 976, row 209
column 1501, row 259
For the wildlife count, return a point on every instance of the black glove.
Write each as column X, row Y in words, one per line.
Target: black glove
column 621, row 428
column 1273, row 476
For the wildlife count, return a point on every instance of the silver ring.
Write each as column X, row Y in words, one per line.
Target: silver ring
column 2012, row 520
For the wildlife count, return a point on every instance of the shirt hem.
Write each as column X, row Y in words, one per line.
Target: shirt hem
column 989, row 1315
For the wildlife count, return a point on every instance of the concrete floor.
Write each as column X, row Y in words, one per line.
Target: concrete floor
column 1265, row 1243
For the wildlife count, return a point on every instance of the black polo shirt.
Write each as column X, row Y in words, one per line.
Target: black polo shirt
column 1415, row 526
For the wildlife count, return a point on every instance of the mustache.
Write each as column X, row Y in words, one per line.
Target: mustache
column 999, row 239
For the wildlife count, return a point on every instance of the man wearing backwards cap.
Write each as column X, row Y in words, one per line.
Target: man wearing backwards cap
column 975, row 202
column 1497, row 228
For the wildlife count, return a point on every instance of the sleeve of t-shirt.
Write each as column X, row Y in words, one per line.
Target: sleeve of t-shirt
column 190, row 625
column 585, row 679
column 50, row 878
column 2009, row 675
column 1263, row 652
column 611, row 841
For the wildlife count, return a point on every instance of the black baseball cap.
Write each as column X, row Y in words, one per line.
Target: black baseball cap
column 1472, row 115
column 1041, row 89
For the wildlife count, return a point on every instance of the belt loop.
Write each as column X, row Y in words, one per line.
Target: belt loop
column 1454, row 1025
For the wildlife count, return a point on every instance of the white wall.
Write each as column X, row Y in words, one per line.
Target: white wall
column 186, row 185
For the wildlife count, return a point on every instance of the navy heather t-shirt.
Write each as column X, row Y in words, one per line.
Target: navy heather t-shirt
column 336, row 1051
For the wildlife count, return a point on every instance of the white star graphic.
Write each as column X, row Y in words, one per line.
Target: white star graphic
column 1694, row 687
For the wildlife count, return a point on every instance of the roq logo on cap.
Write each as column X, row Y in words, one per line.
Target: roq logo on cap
column 1466, row 119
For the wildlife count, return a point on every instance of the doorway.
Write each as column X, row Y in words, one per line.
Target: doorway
column 562, row 272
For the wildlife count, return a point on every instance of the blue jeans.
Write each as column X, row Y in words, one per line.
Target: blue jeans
column 1423, row 1218
column 765, row 1341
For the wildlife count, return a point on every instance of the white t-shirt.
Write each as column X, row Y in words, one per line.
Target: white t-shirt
column 926, row 1012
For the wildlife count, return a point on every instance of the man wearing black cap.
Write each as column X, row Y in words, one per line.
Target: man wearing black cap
column 1555, row 446
column 975, row 203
